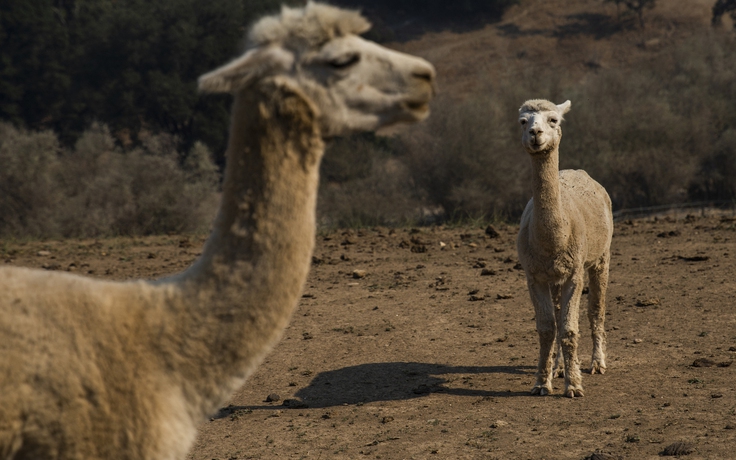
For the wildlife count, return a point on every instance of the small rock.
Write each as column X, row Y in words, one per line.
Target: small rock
column 647, row 302
column 475, row 298
column 638, row 340
column 151, row 255
column 499, row 424
column 479, row 264
column 422, row 389
column 294, row 404
column 307, row 336
column 487, row 272
column 442, row 245
column 327, row 415
column 678, row 448
column 387, row 419
column 504, row 296
column 492, row 232
column 273, row 397
column 358, row 274
column 694, row 258
column 600, row 456
column 725, row 363
column 472, row 245
column 703, row 362
column 731, row 348
column 716, row 395
column 43, row 253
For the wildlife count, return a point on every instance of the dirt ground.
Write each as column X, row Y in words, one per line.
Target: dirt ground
column 420, row 343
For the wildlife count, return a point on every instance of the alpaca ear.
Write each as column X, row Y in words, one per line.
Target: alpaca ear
column 564, row 107
column 239, row 73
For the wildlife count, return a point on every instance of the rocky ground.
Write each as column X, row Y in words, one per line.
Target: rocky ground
column 420, row 343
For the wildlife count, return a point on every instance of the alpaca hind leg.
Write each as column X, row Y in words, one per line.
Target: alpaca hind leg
column 568, row 334
column 597, row 313
column 546, row 329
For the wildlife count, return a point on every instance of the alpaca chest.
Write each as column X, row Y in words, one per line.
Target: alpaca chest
column 550, row 268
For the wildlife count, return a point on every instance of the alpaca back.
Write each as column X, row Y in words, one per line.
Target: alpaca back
column 74, row 362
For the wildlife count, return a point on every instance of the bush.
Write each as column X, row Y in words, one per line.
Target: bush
column 97, row 189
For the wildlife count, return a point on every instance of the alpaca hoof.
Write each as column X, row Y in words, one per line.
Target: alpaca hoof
column 597, row 369
column 540, row 390
column 574, row 392
column 558, row 373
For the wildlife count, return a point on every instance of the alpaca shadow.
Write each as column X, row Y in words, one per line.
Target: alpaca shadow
column 398, row 381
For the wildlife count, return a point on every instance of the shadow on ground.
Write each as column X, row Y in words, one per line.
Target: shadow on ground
column 373, row 382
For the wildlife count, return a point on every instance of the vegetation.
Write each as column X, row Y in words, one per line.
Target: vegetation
column 722, row 7
column 96, row 188
column 131, row 64
column 102, row 131
column 657, row 134
column 636, row 7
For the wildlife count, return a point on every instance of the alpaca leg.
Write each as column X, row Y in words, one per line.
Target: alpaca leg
column 597, row 313
column 543, row 310
column 567, row 334
column 558, row 370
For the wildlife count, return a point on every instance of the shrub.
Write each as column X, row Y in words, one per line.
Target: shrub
column 97, row 189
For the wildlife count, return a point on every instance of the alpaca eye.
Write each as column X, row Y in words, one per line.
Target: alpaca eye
column 553, row 121
column 523, row 122
column 345, row 61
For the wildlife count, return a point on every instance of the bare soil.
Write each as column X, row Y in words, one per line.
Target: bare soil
column 402, row 348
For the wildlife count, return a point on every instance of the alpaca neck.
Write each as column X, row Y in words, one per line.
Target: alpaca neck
column 550, row 226
column 239, row 296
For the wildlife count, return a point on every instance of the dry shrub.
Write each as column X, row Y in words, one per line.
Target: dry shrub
column 98, row 189
column 364, row 182
column 28, row 181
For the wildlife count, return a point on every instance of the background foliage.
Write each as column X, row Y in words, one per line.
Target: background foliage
column 102, row 131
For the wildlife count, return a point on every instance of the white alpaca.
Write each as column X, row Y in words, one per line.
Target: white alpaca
column 565, row 230
column 94, row 369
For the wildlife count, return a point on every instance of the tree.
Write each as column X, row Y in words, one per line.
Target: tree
column 635, row 6
column 130, row 64
column 722, row 7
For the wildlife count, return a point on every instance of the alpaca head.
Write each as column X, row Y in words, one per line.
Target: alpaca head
column 540, row 125
column 355, row 84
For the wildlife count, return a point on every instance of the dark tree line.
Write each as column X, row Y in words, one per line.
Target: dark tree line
column 131, row 64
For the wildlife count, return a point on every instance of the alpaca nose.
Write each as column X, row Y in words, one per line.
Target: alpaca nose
column 425, row 71
column 534, row 130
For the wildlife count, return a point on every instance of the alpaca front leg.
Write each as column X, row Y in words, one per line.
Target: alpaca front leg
column 558, row 370
column 567, row 335
column 546, row 329
column 597, row 313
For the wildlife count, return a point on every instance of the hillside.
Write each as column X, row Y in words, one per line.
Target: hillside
column 582, row 36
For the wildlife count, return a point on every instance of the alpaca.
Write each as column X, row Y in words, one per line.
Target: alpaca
column 126, row 370
column 565, row 230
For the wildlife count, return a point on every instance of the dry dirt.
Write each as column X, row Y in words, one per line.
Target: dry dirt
column 402, row 349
